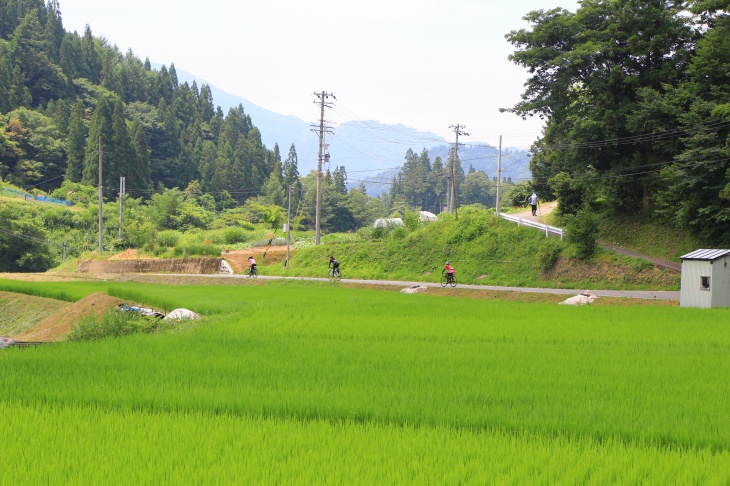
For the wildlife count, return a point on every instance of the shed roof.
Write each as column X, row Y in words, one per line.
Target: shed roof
column 710, row 255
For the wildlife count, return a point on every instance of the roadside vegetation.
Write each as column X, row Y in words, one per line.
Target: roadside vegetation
column 387, row 388
column 116, row 323
column 483, row 249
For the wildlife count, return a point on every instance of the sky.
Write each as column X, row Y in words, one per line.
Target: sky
column 426, row 64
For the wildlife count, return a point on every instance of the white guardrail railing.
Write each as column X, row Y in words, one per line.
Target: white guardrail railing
column 545, row 228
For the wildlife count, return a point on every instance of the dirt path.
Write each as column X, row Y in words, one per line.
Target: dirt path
column 238, row 259
column 547, row 208
column 543, row 211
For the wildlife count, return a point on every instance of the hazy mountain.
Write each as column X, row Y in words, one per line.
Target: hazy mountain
column 484, row 157
column 372, row 152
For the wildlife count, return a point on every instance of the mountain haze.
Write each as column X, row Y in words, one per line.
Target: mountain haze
column 371, row 152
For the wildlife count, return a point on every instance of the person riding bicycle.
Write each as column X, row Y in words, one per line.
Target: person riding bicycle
column 449, row 270
column 253, row 264
column 335, row 265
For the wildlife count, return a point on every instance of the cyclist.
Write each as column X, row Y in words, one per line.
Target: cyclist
column 335, row 265
column 253, row 265
column 449, row 272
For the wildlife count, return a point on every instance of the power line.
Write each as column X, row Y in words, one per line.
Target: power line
column 645, row 137
column 322, row 97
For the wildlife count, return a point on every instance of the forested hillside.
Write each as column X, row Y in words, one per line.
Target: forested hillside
column 60, row 92
column 636, row 98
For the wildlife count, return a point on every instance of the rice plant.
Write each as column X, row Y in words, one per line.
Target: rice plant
column 298, row 382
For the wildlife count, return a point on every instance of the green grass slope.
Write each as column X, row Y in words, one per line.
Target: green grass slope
column 483, row 249
column 19, row 312
column 644, row 235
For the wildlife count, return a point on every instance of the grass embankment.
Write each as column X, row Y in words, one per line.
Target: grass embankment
column 644, row 235
column 294, row 381
column 484, row 250
column 20, row 312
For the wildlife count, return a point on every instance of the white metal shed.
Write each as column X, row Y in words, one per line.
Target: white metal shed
column 705, row 279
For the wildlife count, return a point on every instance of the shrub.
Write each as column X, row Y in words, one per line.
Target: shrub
column 398, row 233
column 235, row 235
column 411, row 220
column 548, row 253
column 115, row 324
column 366, row 233
column 168, row 238
column 582, row 230
column 215, row 237
column 197, row 250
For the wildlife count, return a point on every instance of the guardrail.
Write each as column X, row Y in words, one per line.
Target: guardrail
column 545, row 228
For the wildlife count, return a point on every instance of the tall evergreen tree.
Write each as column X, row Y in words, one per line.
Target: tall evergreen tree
column 54, row 30
column 274, row 161
column 274, row 192
column 122, row 154
column 71, row 58
column 206, row 108
column 101, row 126
column 291, row 168
column 222, row 175
column 43, row 78
column 9, row 17
column 139, row 174
column 75, row 143
column 92, row 59
column 438, row 181
column 6, row 77
column 339, row 179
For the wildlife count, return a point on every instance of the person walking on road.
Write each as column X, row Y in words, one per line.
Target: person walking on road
column 533, row 202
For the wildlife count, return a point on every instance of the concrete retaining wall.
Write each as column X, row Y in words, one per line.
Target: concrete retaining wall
column 172, row 265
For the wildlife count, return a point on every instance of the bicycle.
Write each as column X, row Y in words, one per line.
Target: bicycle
column 334, row 274
column 448, row 279
column 252, row 272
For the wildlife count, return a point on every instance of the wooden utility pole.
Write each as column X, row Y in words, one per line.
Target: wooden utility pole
column 122, row 189
column 101, row 212
column 288, row 228
column 322, row 101
column 458, row 131
column 499, row 173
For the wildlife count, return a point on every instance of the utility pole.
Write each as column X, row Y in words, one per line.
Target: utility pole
column 101, row 212
column 322, row 101
column 288, row 228
column 448, row 193
column 122, row 189
column 499, row 173
column 458, row 130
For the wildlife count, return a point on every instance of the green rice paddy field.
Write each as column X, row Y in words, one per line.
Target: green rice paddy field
column 306, row 383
